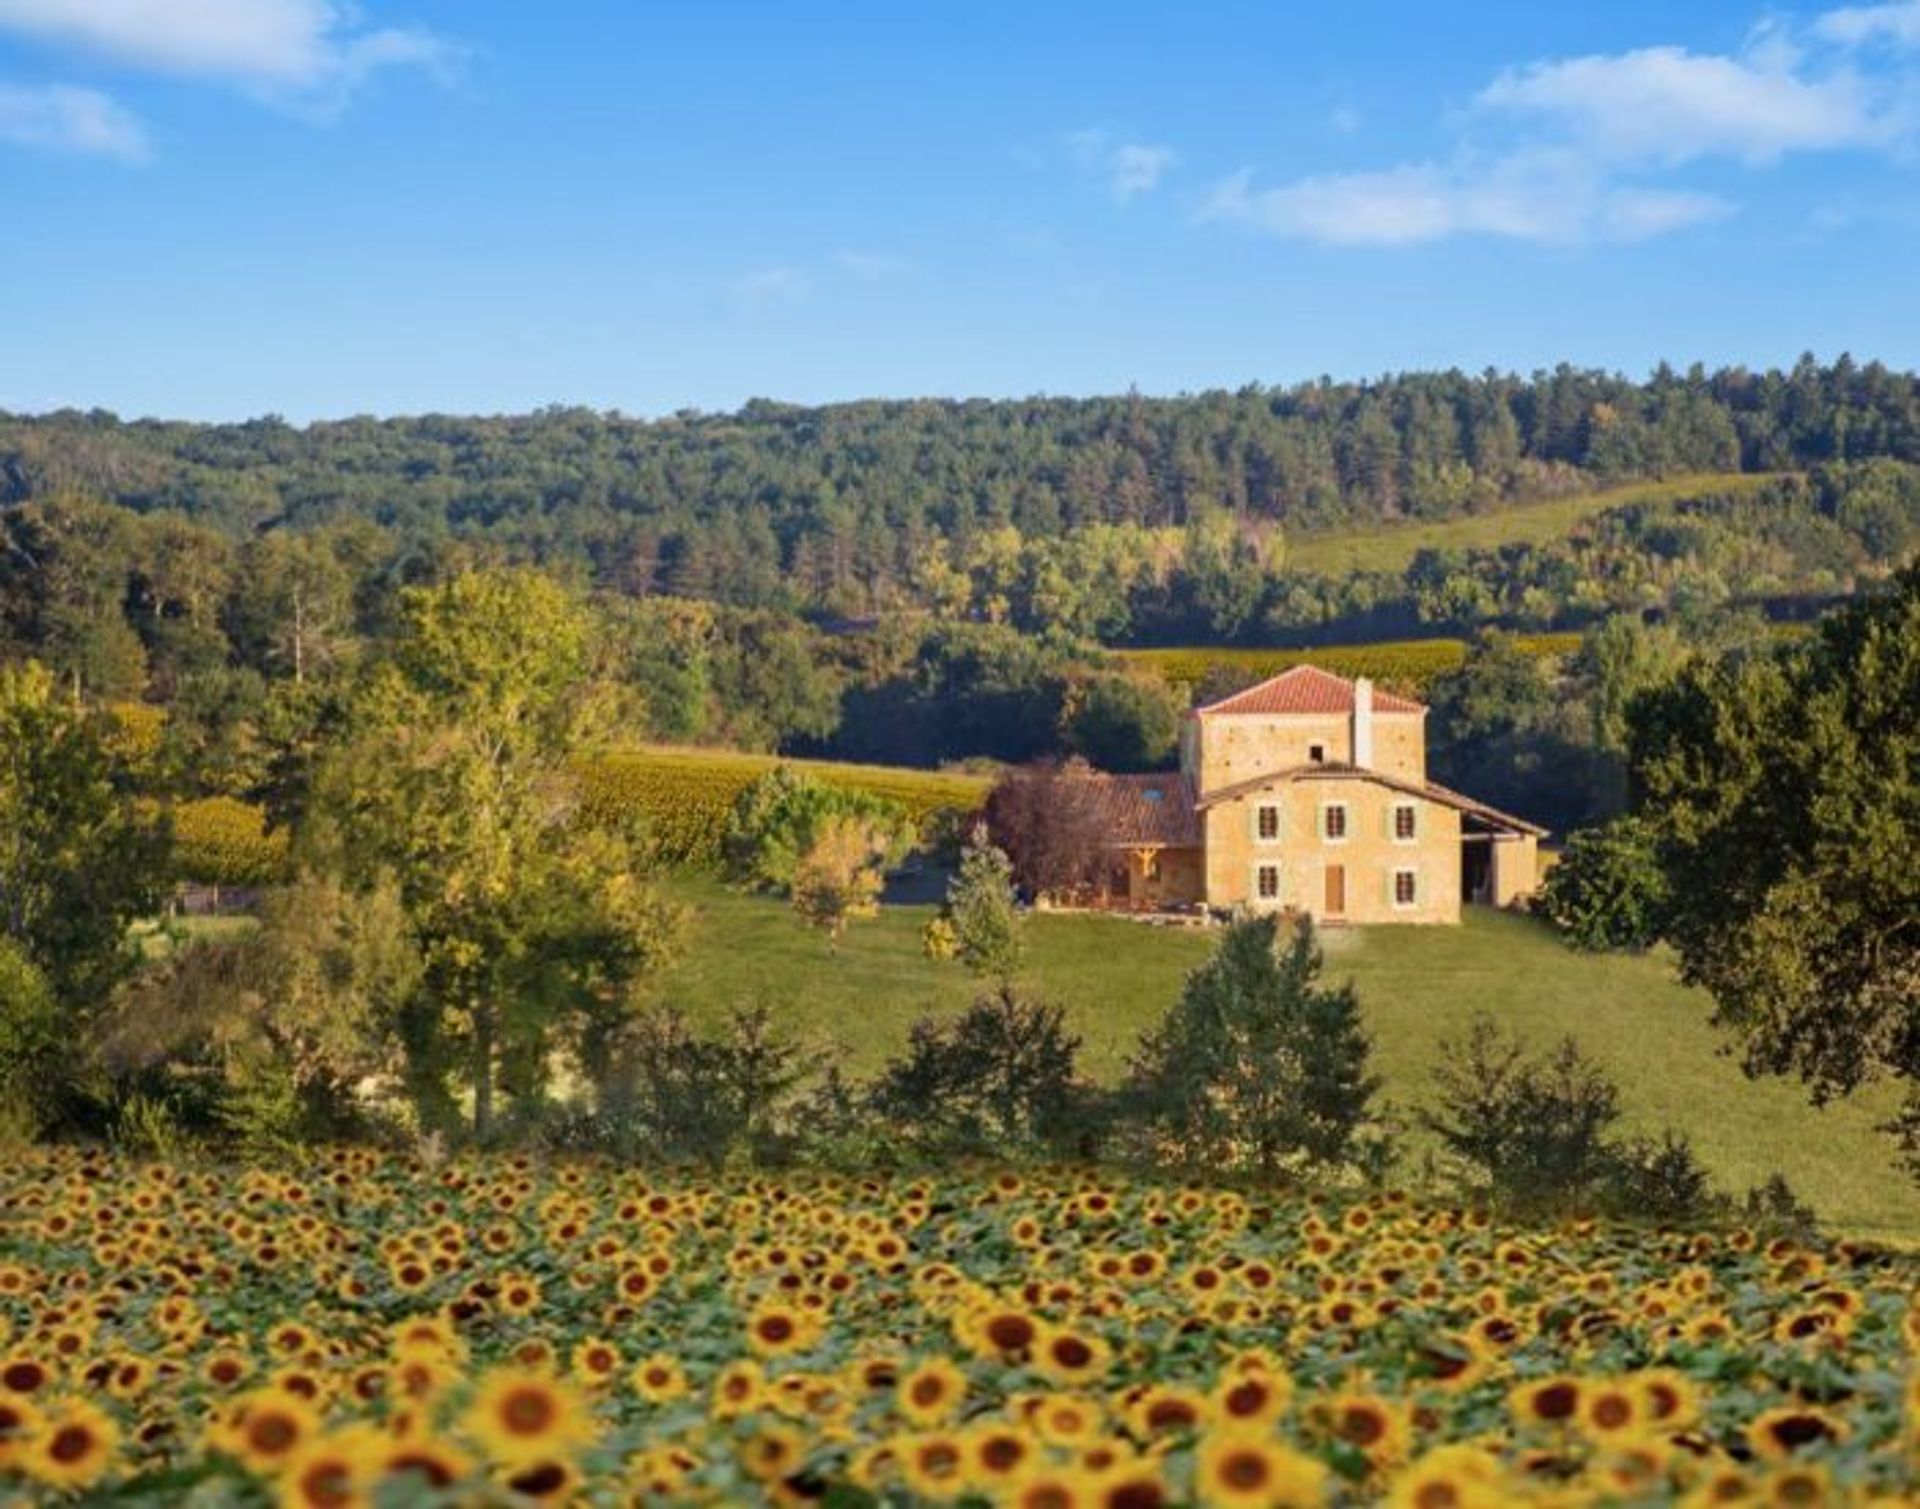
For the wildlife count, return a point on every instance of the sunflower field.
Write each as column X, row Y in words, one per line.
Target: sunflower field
column 357, row 1328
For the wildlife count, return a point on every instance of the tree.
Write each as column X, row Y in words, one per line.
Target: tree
column 79, row 862
column 840, row 876
column 30, row 1048
column 1606, row 891
column 455, row 783
column 1257, row 1065
column 1123, row 723
column 1000, row 1076
column 1045, row 818
column 980, row 923
column 781, row 817
column 285, row 1025
column 1784, row 790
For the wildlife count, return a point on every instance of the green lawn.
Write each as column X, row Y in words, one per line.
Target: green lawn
column 1417, row 985
column 1393, row 547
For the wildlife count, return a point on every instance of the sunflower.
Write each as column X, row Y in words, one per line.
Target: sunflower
column 1376, row 1427
column 1801, row 1484
column 997, row 1454
column 1067, row 1356
column 265, row 1428
column 999, row 1331
column 524, row 1418
column 20, row 1422
column 1455, row 1476
column 1243, row 1470
column 594, row 1362
column 1610, row 1411
column 773, row 1452
column 659, row 1379
column 739, row 1388
column 1668, row 1399
column 548, row 1480
column 1053, row 1488
column 333, row 1471
column 931, row 1392
column 1779, row 1433
column 1168, row 1410
column 73, row 1447
column 518, row 1294
column 1545, row 1401
column 776, row 1330
column 934, row 1465
column 1252, row 1397
column 423, row 1460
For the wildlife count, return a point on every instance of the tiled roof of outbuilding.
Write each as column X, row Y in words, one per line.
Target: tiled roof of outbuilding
column 1146, row 809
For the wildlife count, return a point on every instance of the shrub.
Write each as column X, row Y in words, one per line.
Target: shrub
column 1257, row 1065
column 1043, row 815
column 31, row 1051
column 1002, row 1076
column 980, row 922
column 1607, row 890
column 673, row 1095
column 840, row 876
column 1531, row 1131
column 779, row 819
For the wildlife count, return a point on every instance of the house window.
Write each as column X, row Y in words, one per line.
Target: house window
column 1406, row 887
column 1406, row 822
column 1317, row 753
column 1333, row 822
column 1266, row 822
column 1266, row 882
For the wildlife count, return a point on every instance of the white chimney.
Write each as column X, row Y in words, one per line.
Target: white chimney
column 1363, row 722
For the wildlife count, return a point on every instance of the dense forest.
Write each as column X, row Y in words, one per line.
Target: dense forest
column 934, row 581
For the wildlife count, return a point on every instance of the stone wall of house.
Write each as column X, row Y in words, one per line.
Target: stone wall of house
column 1368, row 856
column 1239, row 746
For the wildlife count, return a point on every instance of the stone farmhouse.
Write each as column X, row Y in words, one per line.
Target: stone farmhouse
column 1309, row 792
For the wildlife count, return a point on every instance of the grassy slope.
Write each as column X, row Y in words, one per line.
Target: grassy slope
column 1392, row 548
column 1417, row 985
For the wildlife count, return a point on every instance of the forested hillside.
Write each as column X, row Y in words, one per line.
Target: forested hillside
column 988, row 554
column 839, row 504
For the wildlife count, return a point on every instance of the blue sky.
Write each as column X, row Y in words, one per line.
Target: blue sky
column 219, row 208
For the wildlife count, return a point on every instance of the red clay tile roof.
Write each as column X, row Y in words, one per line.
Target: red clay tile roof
column 1304, row 689
column 1146, row 809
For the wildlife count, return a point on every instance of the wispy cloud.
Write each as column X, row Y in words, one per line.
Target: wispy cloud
column 1669, row 105
column 1544, row 199
column 62, row 118
column 1128, row 168
column 307, row 54
column 1863, row 25
column 1586, row 149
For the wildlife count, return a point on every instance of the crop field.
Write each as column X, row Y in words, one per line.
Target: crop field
column 357, row 1328
column 1406, row 665
column 1393, row 547
column 685, row 795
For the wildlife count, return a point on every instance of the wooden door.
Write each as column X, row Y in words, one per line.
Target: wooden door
column 1336, row 890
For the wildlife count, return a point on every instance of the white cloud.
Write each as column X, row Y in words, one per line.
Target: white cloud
column 1544, row 199
column 1861, row 25
column 300, row 50
column 62, row 118
column 1346, row 120
column 1129, row 168
column 1665, row 104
